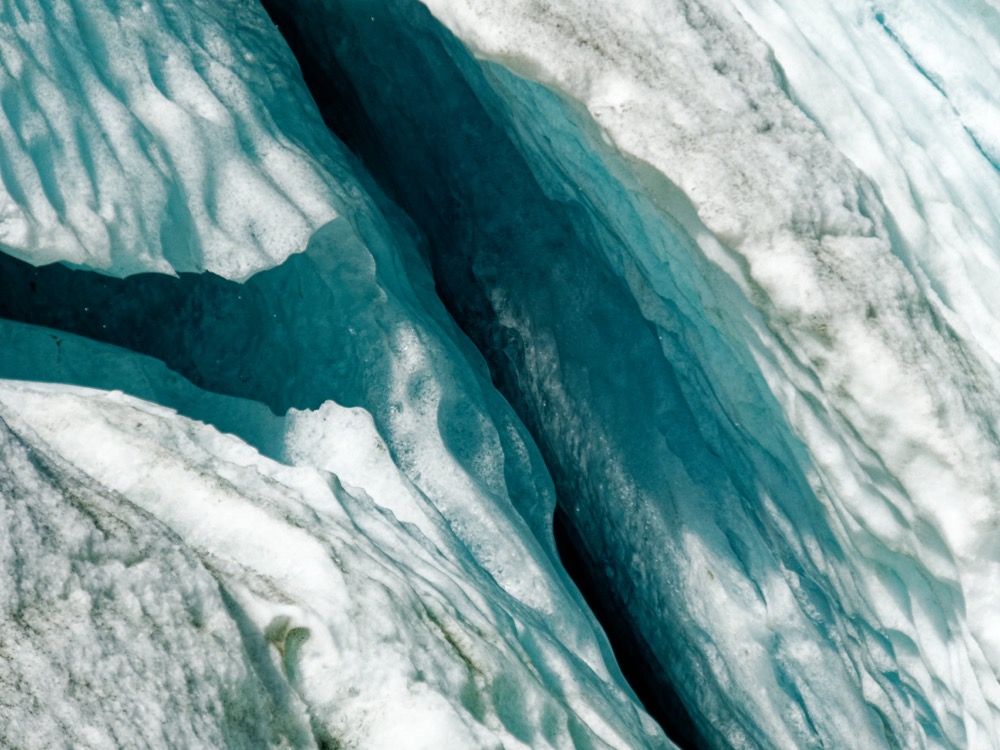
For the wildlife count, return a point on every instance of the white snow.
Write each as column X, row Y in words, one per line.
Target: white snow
column 302, row 612
column 156, row 137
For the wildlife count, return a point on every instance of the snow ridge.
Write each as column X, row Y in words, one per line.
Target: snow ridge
column 154, row 137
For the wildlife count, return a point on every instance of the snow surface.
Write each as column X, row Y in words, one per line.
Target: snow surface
column 167, row 586
column 148, row 136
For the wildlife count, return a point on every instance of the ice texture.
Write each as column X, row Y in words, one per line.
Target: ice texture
column 155, row 136
column 874, row 282
column 770, row 410
column 907, row 94
column 319, row 342
column 731, row 262
column 167, row 586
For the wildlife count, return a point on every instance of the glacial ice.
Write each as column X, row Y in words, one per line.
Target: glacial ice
column 780, row 444
column 731, row 262
column 155, row 136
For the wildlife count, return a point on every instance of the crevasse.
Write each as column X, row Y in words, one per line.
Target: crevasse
column 287, row 602
column 750, row 396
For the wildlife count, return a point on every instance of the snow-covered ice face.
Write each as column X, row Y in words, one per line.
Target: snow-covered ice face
column 825, row 397
column 261, row 604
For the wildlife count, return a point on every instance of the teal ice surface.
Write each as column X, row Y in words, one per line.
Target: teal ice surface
column 192, row 146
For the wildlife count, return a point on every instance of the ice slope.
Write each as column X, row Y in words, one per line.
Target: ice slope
column 907, row 93
column 167, row 586
column 774, row 435
column 882, row 384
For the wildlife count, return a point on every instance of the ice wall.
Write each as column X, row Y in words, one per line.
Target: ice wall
column 773, row 438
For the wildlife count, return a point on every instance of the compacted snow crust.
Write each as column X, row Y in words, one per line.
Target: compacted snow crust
column 166, row 586
column 733, row 261
column 154, row 136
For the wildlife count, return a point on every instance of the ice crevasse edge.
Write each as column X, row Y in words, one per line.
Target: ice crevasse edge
column 870, row 321
column 812, row 556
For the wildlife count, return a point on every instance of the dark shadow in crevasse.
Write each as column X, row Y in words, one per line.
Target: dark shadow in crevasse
column 268, row 340
column 236, row 339
column 392, row 92
column 634, row 655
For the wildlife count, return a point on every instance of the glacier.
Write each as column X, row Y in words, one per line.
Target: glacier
column 706, row 289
